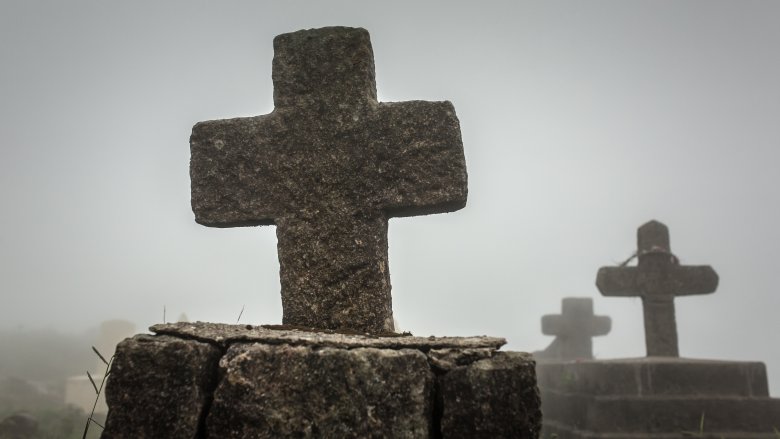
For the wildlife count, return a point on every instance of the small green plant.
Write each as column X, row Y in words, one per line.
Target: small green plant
column 98, row 390
column 699, row 433
column 568, row 379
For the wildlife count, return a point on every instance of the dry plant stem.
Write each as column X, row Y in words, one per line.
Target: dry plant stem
column 240, row 314
column 90, row 419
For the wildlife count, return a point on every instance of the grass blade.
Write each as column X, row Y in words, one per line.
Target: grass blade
column 98, row 354
column 93, row 382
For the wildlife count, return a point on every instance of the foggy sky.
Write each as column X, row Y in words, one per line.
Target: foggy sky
column 580, row 122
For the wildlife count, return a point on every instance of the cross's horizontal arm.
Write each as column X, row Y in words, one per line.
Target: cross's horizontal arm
column 694, row 279
column 617, row 281
column 228, row 171
column 551, row 325
column 425, row 170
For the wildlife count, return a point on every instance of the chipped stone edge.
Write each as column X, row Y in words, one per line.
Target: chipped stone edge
column 225, row 335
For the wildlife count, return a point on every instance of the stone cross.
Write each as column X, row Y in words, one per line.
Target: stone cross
column 574, row 329
column 657, row 279
column 329, row 166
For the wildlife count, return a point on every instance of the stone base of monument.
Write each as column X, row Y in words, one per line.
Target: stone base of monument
column 657, row 397
column 238, row 381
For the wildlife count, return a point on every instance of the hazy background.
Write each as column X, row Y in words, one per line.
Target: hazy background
column 580, row 122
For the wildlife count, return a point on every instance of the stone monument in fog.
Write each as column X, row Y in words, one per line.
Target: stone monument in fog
column 661, row 395
column 329, row 166
column 574, row 329
column 658, row 278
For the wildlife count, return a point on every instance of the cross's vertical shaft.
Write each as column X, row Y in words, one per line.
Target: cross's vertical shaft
column 660, row 326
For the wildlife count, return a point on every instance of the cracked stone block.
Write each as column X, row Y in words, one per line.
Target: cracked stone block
column 285, row 391
column 199, row 380
column 491, row 398
column 159, row 384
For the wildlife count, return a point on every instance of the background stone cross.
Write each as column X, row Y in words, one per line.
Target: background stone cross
column 329, row 166
column 657, row 279
column 574, row 329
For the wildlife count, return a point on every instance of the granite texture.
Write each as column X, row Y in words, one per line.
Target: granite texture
column 228, row 381
column 657, row 279
column 329, row 166
column 302, row 392
column 159, row 387
column 470, row 395
column 225, row 334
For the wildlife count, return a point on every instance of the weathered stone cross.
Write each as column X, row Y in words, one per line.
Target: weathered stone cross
column 657, row 278
column 574, row 329
column 329, row 166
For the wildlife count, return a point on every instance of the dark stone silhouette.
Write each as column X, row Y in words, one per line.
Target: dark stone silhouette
column 19, row 426
column 573, row 329
column 329, row 166
column 657, row 279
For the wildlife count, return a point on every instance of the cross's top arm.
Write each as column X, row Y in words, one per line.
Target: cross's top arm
column 653, row 236
column 330, row 67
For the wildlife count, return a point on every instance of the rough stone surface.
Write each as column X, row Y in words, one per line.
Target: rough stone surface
column 470, row 394
column 573, row 330
column 316, row 385
column 225, row 334
column 296, row 391
column 657, row 279
column 159, row 387
column 656, row 397
column 450, row 358
column 329, row 166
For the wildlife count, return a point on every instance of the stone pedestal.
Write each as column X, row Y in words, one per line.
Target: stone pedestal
column 237, row 381
column 657, row 397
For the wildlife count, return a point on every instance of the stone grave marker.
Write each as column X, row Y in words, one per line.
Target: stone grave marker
column 574, row 329
column 329, row 166
column 660, row 396
column 658, row 278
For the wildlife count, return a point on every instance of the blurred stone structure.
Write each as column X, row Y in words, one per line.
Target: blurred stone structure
column 329, row 166
column 574, row 329
column 19, row 426
column 661, row 396
column 658, row 278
